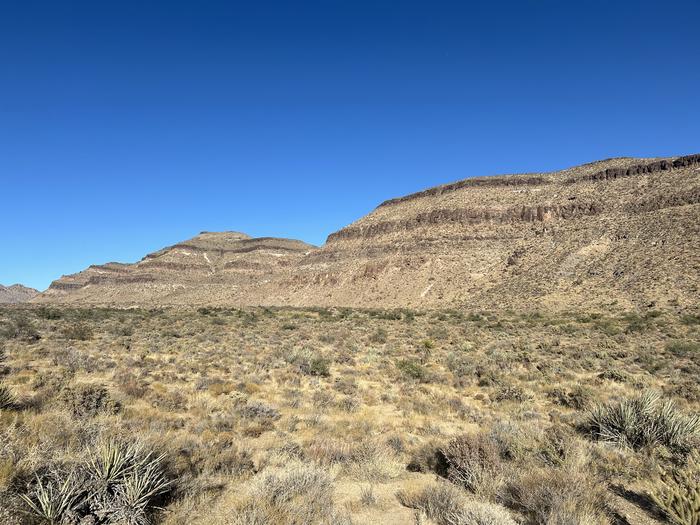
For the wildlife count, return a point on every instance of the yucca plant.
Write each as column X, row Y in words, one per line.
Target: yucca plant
column 53, row 500
column 644, row 421
column 7, row 400
column 111, row 461
column 136, row 492
column 126, row 480
column 676, row 492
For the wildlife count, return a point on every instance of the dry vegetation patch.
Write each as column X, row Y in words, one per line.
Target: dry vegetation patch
column 303, row 416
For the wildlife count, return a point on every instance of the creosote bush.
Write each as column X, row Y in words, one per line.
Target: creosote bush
column 558, row 496
column 78, row 331
column 474, row 463
column 447, row 505
column 644, row 421
column 412, row 370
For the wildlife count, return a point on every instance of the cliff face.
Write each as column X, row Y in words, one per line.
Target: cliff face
column 616, row 233
column 620, row 232
column 16, row 293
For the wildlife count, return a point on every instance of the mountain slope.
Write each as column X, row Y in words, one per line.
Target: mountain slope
column 16, row 293
column 209, row 268
column 621, row 232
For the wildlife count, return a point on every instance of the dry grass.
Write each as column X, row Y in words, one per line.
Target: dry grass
column 292, row 416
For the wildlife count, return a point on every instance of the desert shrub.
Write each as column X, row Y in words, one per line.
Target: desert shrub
column 318, row 366
column 690, row 319
column 412, row 370
column 309, row 362
column 87, row 400
column 428, row 458
column 295, row 494
column 643, row 421
column 260, row 410
column 20, row 327
column 379, row 336
column 676, row 492
column 438, row 501
column 683, row 348
column 474, row 463
column 77, row 331
column 50, row 314
column 578, row 398
column 446, row 505
column 520, row 443
column 558, row 496
column 514, row 393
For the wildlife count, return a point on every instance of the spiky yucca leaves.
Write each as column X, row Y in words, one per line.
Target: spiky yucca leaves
column 127, row 479
column 134, row 495
column 7, row 400
column 677, row 492
column 644, row 421
column 111, row 461
column 52, row 500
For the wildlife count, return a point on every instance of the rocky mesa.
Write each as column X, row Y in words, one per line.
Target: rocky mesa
column 622, row 232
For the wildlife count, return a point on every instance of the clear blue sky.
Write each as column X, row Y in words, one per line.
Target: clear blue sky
column 126, row 126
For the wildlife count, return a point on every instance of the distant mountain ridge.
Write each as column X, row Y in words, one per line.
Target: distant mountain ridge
column 620, row 233
column 16, row 293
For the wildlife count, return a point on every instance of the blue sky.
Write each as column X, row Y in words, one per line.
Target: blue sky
column 127, row 126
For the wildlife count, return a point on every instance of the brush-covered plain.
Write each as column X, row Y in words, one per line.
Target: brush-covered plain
column 326, row 416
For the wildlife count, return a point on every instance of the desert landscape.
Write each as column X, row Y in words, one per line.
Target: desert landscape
column 519, row 349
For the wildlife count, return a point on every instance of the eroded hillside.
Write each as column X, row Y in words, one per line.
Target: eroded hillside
column 620, row 233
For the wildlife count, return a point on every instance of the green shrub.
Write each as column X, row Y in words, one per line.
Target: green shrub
column 20, row 327
column 50, row 314
column 412, row 369
column 88, row 400
column 77, row 331
column 683, row 348
column 644, row 421
column 379, row 336
column 676, row 492
column 319, row 366
column 511, row 393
